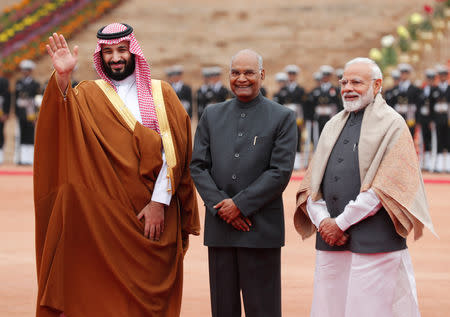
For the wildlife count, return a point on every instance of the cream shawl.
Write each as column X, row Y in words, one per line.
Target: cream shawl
column 388, row 164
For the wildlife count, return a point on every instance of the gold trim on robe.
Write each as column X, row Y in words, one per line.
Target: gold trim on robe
column 118, row 103
column 161, row 113
column 164, row 128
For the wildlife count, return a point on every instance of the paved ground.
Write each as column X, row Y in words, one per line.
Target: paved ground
column 431, row 256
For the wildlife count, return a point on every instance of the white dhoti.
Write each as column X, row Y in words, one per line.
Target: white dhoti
column 350, row 284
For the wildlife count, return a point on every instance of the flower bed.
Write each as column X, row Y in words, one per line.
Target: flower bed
column 25, row 27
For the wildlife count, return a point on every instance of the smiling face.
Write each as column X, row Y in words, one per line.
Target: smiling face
column 245, row 76
column 118, row 62
column 358, row 88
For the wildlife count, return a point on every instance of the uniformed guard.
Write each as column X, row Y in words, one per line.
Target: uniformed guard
column 339, row 73
column 425, row 119
column 183, row 91
column 280, row 96
column 326, row 100
column 310, row 122
column 205, row 93
column 26, row 112
column 408, row 98
column 221, row 93
column 5, row 105
column 441, row 118
column 391, row 94
column 296, row 100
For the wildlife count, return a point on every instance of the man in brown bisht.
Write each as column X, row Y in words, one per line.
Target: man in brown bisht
column 114, row 198
column 364, row 193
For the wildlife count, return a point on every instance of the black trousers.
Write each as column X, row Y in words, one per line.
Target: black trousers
column 26, row 132
column 2, row 134
column 257, row 272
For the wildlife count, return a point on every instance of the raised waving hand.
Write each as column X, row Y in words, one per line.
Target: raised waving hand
column 62, row 58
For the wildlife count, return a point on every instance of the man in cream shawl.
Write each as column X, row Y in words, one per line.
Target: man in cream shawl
column 364, row 193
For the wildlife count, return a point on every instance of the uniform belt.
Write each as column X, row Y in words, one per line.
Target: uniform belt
column 441, row 107
column 324, row 110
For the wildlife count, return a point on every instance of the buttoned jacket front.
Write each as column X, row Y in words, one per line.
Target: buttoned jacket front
column 245, row 151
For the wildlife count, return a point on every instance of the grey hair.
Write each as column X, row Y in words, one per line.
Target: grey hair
column 376, row 71
column 247, row 50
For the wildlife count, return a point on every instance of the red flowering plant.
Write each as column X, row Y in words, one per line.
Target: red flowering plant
column 426, row 24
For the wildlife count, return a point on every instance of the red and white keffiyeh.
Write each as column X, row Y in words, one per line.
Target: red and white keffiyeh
column 142, row 70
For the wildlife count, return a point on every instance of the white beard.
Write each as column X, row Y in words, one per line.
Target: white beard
column 360, row 103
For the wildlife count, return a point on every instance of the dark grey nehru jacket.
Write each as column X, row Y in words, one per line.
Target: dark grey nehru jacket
column 245, row 151
column 341, row 183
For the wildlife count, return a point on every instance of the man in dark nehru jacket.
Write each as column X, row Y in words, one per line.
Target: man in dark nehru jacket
column 26, row 111
column 243, row 157
column 360, row 215
column 5, row 106
column 407, row 102
column 114, row 200
column 184, row 92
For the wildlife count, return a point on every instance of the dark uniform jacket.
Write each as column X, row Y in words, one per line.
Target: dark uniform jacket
column 26, row 88
column 245, row 151
column 281, row 95
column 325, row 100
column 428, row 97
column 5, row 105
column 406, row 103
column 390, row 95
column 440, row 111
column 5, row 96
column 184, row 93
column 26, row 110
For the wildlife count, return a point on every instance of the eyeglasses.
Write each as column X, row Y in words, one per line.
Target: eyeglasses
column 247, row 74
column 353, row 82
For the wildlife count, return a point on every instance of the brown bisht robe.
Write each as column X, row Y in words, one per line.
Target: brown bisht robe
column 388, row 164
column 92, row 175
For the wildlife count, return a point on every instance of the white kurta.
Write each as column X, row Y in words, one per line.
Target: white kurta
column 350, row 284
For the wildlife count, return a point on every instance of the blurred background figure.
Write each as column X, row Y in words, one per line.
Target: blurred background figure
column 184, row 91
column 205, row 93
column 281, row 79
column 296, row 101
column 441, row 118
column 339, row 73
column 5, row 106
column 425, row 120
column 325, row 100
column 221, row 93
column 390, row 95
column 212, row 90
column 408, row 98
column 26, row 112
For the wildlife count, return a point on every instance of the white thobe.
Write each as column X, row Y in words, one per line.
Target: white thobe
column 348, row 284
